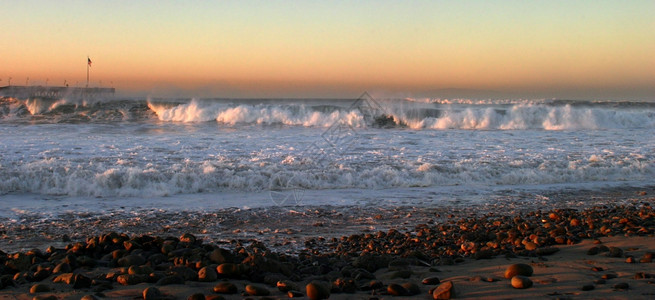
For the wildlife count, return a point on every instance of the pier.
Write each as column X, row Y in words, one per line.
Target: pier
column 55, row 92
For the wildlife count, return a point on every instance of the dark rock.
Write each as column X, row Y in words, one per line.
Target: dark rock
column 445, row 290
column 207, row 274
column 372, row 285
column 588, row 287
column 226, row 288
column 67, row 278
column 608, row 276
column 615, row 252
column 518, row 269
column 219, row 256
column 397, row 290
column 546, row 251
column 228, row 270
column 39, row 288
column 256, row 290
column 62, row 268
column 186, row 273
column 196, row 296
column 131, row 260
column 317, row 290
column 171, row 279
column 412, row 288
column 521, row 282
column 81, row 281
column 188, row 238
column 131, row 279
column 41, row 274
column 285, row 286
column 483, row 254
column 145, row 270
column 593, row 251
column 89, row 297
column 621, row 286
column 151, row 293
column 431, row 280
column 401, row 274
column 345, row 285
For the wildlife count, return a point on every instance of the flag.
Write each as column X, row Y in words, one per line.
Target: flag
column 89, row 61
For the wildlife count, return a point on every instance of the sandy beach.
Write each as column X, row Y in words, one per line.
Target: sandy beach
column 590, row 251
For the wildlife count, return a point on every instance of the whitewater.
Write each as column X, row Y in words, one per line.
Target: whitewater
column 216, row 153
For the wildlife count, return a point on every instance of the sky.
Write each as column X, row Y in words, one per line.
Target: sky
column 514, row 49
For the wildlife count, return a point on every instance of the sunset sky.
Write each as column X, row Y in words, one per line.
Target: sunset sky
column 560, row 49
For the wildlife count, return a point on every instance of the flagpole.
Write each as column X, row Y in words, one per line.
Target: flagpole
column 87, row 72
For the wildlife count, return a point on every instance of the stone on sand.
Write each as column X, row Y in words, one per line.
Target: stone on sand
column 521, row 282
column 445, row 290
column 518, row 269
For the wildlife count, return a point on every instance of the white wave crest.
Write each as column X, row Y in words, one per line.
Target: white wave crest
column 195, row 111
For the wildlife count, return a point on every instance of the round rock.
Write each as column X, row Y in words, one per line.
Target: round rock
column 39, row 288
column 317, row 291
column 256, row 290
column 518, row 269
column 151, row 293
column 226, row 288
column 521, row 282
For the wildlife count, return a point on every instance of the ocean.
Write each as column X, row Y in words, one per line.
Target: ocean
column 59, row 156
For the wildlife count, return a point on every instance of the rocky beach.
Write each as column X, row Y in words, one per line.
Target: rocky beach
column 582, row 245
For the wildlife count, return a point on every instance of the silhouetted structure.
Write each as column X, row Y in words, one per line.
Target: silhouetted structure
column 55, row 92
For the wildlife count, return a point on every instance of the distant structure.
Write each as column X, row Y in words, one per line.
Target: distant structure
column 56, row 92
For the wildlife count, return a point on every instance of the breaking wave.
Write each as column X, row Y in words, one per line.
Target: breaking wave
column 418, row 115
column 54, row 176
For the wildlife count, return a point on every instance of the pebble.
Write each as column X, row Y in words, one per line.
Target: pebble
column 226, row 288
column 131, row 279
column 593, row 251
column 445, row 290
column 431, row 280
column 615, row 252
column 412, row 288
column 395, row 289
column 229, row 270
column 196, row 296
column 39, row 288
column 89, row 297
column 521, row 282
column 401, row 274
column 317, row 290
column 256, row 290
column 207, row 274
column 621, row 286
column 151, row 293
column 518, row 269
column 588, row 287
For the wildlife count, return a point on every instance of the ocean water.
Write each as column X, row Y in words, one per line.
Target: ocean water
column 202, row 154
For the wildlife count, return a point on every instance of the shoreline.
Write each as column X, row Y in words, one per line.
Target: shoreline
column 350, row 248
